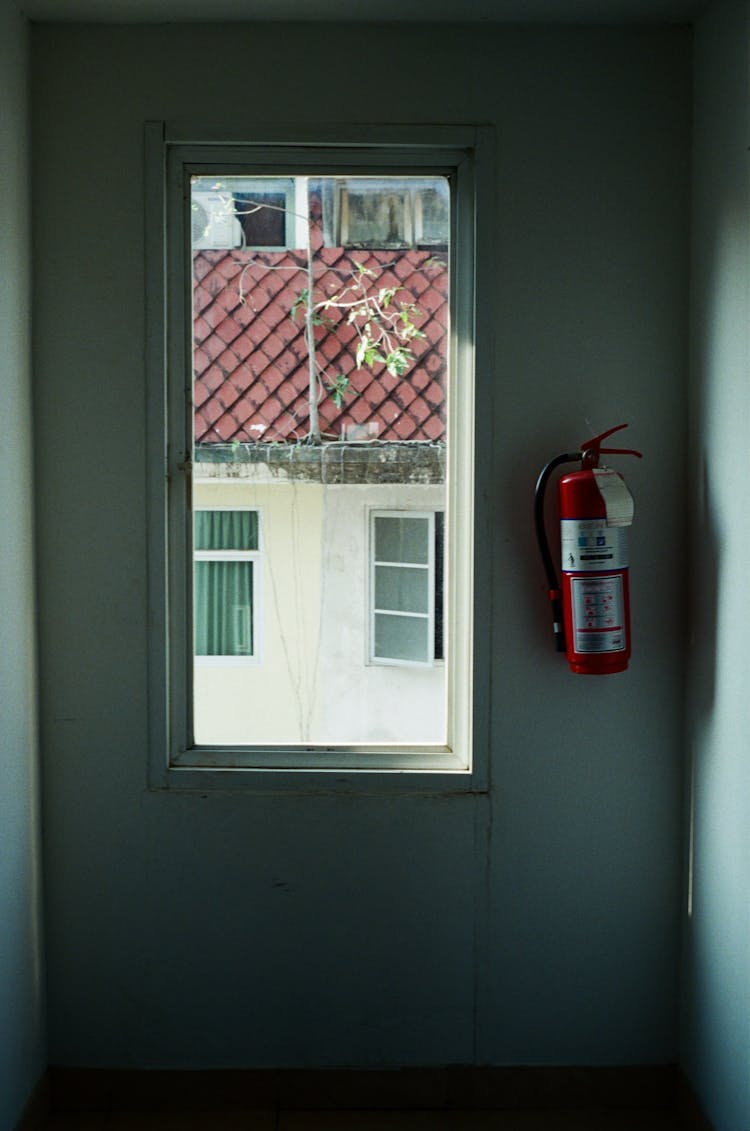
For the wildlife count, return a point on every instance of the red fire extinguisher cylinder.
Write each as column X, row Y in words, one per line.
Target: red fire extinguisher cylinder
column 594, row 580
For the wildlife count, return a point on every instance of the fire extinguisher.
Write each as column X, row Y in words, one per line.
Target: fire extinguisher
column 591, row 609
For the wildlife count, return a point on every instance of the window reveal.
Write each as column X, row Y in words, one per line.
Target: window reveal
column 382, row 445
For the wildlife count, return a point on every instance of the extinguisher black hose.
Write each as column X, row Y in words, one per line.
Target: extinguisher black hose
column 541, row 534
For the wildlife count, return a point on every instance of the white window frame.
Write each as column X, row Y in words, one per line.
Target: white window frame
column 465, row 155
column 251, row 659
column 427, row 567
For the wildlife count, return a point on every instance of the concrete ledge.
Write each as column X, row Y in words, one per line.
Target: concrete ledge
column 331, row 463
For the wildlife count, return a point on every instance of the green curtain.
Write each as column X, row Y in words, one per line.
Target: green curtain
column 223, row 608
column 226, row 530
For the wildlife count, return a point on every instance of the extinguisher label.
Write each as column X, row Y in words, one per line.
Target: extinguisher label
column 618, row 501
column 588, row 545
column 598, row 614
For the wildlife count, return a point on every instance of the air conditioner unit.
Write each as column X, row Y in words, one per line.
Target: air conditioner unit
column 214, row 224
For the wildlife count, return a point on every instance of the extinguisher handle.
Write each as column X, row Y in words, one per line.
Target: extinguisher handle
column 621, row 452
column 592, row 449
column 554, row 593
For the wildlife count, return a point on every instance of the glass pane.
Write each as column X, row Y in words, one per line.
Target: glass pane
column 402, row 590
column 401, row 638
column 375, row 218
column 433, row 218
column 223, row 608
column 226, row 530
column 262, row 216
column 320, row 391
column 401, row 539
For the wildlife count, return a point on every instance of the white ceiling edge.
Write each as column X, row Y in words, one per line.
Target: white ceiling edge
column 370, row 11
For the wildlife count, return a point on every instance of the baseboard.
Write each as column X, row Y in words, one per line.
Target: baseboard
column 688, row 1105
column 37, row 1109
column 449, row 1088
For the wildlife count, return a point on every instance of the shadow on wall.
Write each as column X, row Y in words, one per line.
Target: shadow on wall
column 704, row 569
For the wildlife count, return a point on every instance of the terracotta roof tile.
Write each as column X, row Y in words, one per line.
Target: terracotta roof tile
column 432, row 365
column 202, row 266
column 212, row 378
column 434, row 396
column 244, row 380
column 433, row 428
column 211, row 411
column 431, row 301
column 225, row 265
column 433, row 331
column 212, row 346
column 228, row 361
column 330, row 255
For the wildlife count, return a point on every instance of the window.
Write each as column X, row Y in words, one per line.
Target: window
column 225, row 583
column 262, row 213
column 401, row 213
column 262, row 208
column 311, row 571
column 406, row 587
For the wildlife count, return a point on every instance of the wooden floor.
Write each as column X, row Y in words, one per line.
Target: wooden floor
column 457, row 1098
column 630, row 1120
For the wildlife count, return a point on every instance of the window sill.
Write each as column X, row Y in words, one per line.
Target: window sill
column 319, row 770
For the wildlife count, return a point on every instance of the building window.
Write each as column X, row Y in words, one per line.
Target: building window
column 262, row 211
column 390, row 213
column 406, row 573
column 259, row 213
column 226, row 571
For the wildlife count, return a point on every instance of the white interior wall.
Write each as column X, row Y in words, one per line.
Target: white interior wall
column 22, row 1043
column 716, row 992
column 536, row 923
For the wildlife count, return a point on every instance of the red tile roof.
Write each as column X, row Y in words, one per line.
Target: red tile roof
column 250, row 361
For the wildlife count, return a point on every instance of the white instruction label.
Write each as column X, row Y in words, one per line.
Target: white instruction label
column 618, row 501
column 590, row 545
column 598, row 614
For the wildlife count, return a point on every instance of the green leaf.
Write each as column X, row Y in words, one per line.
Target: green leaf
column 301, row 300
column 337, row 387
column 398, row 362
